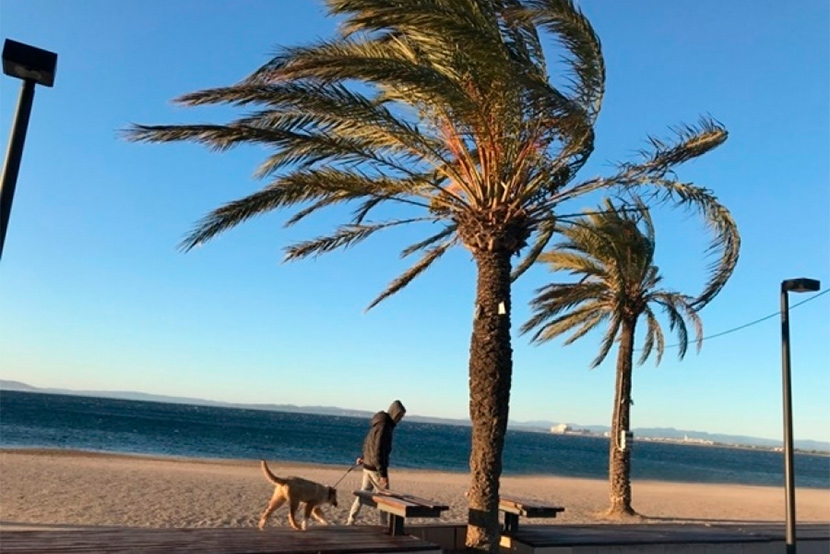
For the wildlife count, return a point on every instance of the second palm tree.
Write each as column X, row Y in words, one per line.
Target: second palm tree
column 612, row 254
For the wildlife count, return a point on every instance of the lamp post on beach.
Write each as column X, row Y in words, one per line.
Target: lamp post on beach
column 33, row 66
column 790, row 285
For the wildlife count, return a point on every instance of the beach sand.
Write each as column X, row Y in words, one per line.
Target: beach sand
column 61, row 489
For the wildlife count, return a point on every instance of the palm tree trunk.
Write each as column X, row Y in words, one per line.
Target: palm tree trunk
column 491, row 366
column 619, row 459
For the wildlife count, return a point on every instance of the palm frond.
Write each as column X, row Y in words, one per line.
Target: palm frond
column 555, row 298
column 345, row 236
column 726, row 239
column 278, row 195
column 429, row 257
column 305, row 149
column 329, row 200
column 608, row 339
column 611, row 250
column 335, row 186
column 545, row 232
column 574, row 262
column 680, row 308
column 332, row 108
column 574, row 31
column 217, row 137
column 444, row 233
column 432, row 26
column 363, row 210
column 691, row 141
column 549, row 328
column 678, row 325
column 589, row 324
column 654, row 336
column 369, row 61
column 323, row 187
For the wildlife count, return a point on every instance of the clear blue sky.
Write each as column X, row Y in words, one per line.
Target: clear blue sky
column 94, row 294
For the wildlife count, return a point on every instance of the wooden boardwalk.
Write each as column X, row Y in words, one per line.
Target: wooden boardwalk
column 277, row 540
column 657, row 538
column 530, row 539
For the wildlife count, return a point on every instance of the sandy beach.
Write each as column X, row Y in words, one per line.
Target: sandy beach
column 62, row 489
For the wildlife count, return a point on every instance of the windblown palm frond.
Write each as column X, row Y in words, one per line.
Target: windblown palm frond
column 648, row 179
column 612, row 253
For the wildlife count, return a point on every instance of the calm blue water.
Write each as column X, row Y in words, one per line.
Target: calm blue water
column 29, row 420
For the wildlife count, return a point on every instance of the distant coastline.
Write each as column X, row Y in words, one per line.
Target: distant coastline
column 666, row 435
column 688, row 441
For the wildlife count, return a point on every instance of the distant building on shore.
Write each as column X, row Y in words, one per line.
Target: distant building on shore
column 674, row 440
column 565, row 429
column 687, row 440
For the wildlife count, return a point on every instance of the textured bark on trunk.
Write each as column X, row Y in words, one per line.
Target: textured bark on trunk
column 619, row 467
column 491, row 366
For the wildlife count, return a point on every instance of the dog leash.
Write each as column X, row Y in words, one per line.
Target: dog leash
column 344, row 475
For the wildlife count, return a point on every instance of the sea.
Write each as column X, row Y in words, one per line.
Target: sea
column 54, row 421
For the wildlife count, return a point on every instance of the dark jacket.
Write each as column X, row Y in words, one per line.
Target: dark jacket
column 378, row 443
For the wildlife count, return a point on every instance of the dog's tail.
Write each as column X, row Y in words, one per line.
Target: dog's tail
column 270, row 476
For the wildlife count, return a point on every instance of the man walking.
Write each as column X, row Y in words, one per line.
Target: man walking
column 376, row 448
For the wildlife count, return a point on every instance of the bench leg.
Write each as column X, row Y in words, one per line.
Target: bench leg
column 511, row 523
column 396, row 525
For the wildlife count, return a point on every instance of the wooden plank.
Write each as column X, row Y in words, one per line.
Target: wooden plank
column 384, row 503
column 405, row 509
column 515, row 501
column 324, row 540
column 366, row 496
column 543, row 512
column 403, row 505
column 599, row 536
column 527, row 508
column 415, row 499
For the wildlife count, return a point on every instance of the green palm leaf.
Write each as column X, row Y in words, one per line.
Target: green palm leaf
column 611, row 251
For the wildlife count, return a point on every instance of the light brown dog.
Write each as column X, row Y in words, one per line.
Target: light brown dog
column 296, row 490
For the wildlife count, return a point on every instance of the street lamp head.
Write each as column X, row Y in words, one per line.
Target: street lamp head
column 29, row 63
column 800, row 285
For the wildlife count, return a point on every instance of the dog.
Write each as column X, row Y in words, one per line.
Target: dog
column 296, row 490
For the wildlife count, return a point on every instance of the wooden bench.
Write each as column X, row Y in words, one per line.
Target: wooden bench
column 514, row 507
column 400, row 506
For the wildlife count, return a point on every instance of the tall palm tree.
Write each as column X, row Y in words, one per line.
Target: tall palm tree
column 441, row 111
column 612, row 254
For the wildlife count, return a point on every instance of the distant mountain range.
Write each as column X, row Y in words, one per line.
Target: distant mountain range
column 535, row 425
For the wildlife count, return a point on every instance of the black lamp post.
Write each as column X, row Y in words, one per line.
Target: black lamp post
column 33, row 66
column 790, row 285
